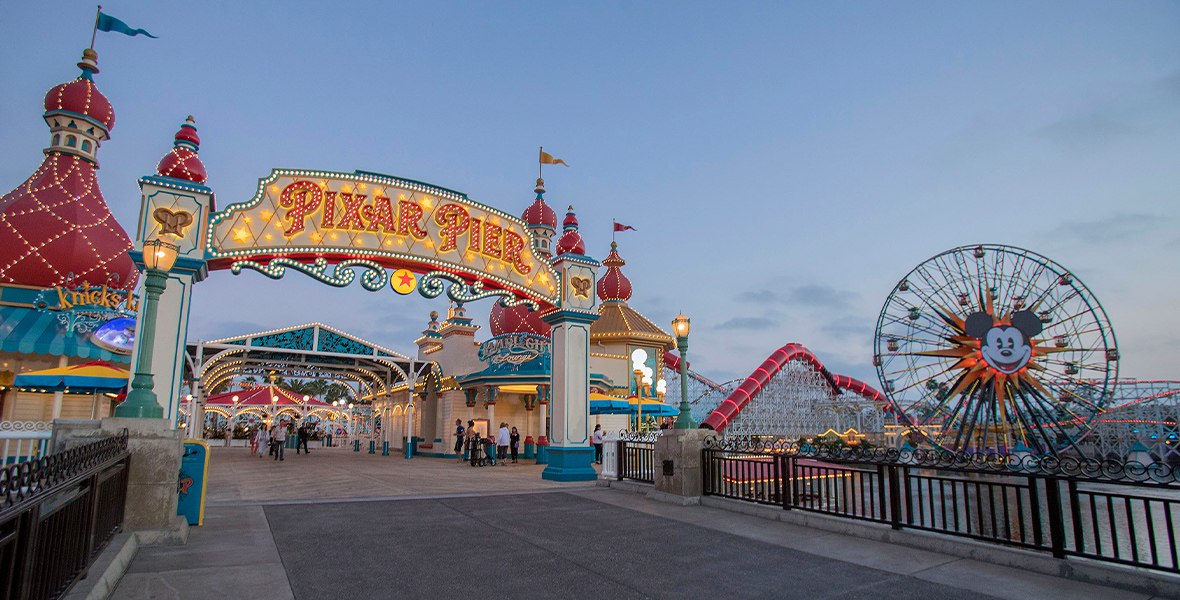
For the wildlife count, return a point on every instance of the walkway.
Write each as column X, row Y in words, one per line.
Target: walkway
column 547, row 543
column 334, row 473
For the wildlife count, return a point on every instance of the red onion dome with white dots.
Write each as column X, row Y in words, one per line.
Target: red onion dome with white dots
column 81, row 96
column 55, row 228
column 518, row 319
column 571, row 240
column 182, row 161
column 539, row 213
column 614, row 285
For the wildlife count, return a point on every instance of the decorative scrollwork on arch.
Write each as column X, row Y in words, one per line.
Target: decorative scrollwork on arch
column 373, row 278
column 432, row 285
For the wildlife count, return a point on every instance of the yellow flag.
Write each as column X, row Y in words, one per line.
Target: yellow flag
column 547, row 159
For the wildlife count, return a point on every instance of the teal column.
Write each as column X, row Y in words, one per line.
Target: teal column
column 141, row 400
column 684, row 419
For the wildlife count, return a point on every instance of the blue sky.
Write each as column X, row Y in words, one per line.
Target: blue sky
column 785, row 164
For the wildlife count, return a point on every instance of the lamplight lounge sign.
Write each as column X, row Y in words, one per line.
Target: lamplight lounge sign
column 513, row 348
column 308, row 219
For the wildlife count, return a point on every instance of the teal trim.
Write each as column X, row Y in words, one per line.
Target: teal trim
column 570, row 464
column 569, row 316
column 175, row 184
column 30, row 331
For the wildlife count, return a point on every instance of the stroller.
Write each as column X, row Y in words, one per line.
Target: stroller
column 489, row 447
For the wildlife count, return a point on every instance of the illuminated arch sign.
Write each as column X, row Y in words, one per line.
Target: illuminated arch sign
column 324, row 224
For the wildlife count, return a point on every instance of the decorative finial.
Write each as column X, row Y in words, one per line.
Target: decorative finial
column 433, row 315
column 614, row 245
column 190, row 120
column 89, row 63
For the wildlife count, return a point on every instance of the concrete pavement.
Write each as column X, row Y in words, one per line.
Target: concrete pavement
column 541, row 541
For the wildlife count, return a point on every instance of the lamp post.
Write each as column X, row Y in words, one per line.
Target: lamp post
column 158, row 256
column 680, row 326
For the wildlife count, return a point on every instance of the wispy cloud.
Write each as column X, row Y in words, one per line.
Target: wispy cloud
column 754, row 323
column 806, row 295
column 1111, row 229
column 845, row 328
column 1086, row 131
column 821, row 296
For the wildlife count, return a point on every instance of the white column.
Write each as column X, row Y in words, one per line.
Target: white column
column 62, row 362
column 542, row 406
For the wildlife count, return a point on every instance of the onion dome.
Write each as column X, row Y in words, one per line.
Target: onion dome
column 517, row 319
column 55, row 228
column 81, row 96
column 539, row 213
column 614, row 285
column 182, row 161
column 571, row 240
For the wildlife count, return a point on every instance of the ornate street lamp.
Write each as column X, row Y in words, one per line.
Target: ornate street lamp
column 158, row 256
column 680, row 327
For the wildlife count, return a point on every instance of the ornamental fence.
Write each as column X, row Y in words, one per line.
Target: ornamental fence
column 637, row 456
column 24, row 440
column 1125, row 513
column 56, row 514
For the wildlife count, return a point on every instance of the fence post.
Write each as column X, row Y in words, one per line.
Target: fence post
column 622, row 458
column 894, row 497
column 1056, row 519
column 788, row 474
column 778, row 479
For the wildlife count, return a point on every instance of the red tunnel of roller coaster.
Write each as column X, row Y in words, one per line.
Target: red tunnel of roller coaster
column 729, row 409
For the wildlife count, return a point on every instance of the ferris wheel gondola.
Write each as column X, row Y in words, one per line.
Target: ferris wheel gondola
column 994, row 349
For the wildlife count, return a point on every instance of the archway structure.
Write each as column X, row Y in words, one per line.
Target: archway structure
column 312, row 351
column 397, row 233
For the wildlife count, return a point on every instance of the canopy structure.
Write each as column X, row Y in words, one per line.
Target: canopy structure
column 651, row 407
column 92, row 377
column 269, row 402
column 602, row 404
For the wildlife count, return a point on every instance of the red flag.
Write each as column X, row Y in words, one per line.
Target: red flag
column 621, row 227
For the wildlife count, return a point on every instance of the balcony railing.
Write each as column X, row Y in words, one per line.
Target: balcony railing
column 1125, row 513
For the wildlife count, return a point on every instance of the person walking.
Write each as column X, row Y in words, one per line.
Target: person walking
column 597, row 441
column 279, row 439
column 301, row 439
column 459, row 437
column 503, row 439
column 515, row 437
column 261, row 439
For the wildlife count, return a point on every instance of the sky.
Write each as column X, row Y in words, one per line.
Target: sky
column 784, row 164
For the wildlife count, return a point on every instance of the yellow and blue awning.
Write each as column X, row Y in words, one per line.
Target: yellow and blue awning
column 93, row 377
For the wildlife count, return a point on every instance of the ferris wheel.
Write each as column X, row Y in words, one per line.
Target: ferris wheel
column 995, row 350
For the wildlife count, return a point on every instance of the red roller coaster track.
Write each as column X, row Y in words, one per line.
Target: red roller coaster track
column 733, row 405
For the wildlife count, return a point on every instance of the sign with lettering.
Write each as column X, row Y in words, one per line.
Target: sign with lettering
column 311, row 220
column 514, row 348
column 86, row 307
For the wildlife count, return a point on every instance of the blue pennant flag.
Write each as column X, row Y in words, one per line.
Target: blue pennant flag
column 109, row 23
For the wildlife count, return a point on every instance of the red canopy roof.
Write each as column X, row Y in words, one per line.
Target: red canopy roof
column 261, row 396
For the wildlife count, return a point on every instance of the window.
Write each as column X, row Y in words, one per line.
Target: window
column 71, row 141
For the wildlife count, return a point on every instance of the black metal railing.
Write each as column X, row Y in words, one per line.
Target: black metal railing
column 637, row 457
column 56, row 514
column 1106, row 510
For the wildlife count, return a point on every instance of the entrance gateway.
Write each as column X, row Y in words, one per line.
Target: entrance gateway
column 396, row 233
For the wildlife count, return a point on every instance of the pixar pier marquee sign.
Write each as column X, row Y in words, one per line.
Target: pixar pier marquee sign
column 326, row 224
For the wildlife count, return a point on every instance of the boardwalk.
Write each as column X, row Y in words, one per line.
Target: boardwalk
column 269, row 537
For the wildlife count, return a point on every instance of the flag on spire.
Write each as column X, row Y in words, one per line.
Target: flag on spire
column 106, row 22
column 547, row 159
column 620, row 227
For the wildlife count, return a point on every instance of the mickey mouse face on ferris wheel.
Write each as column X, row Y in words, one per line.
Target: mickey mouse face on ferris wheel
column 1005, row 348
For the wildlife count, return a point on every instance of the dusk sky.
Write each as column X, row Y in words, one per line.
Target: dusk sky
column 784, row 164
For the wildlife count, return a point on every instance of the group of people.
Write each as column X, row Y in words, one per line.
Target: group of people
column 274, row 439
column 491, row 450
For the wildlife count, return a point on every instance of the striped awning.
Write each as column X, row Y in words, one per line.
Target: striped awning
column 31, row 331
